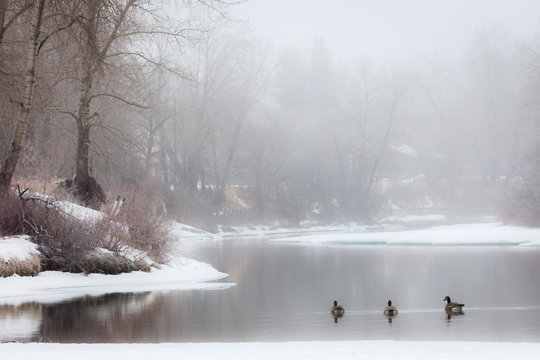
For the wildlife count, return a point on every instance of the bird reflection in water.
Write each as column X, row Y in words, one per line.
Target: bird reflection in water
column 390, row 317
column 336, row 317
column 450, row 313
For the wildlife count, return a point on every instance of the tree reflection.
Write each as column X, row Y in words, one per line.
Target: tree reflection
column 20, row 323
column 109, row 318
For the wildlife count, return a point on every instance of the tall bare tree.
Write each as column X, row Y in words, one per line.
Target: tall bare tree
column 14, row 152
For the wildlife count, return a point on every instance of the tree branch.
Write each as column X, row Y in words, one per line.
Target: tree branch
column 117, row 97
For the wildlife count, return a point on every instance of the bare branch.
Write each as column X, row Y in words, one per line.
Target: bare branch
column 117, row 97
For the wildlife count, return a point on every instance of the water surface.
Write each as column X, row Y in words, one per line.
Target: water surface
column 284, row 293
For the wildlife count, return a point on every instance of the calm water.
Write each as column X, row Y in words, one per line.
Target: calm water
column 284, row 293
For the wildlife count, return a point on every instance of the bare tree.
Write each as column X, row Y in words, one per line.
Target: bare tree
column 14, row 152
column 13, row 8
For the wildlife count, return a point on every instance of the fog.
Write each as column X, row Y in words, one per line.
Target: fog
column 387, row 30
column 289, row 112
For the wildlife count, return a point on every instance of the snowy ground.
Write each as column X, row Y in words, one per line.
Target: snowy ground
column 16, row 247
column 456, row 235
column 294, row 350
column 53, row 286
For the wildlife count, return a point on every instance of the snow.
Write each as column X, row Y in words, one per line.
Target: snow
column 412, row 219
column 258, row 231
column 183, row 231
column 463, row 234
column 405, row 149
column 289, row 350
column 16, row 247
column 53, row 286
column 75, row 210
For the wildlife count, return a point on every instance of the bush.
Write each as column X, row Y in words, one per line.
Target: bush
column 10, row 215
column 68, row 244
column 141, row 230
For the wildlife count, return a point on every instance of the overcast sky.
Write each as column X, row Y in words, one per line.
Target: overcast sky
column 388, row 30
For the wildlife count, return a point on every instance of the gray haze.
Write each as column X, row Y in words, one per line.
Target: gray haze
column 387, row 30
column 357, row 110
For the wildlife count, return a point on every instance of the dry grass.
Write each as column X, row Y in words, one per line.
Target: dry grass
column 31, row 266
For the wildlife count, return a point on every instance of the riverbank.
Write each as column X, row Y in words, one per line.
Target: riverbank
column 381, row 350
column 181, row 273
column 185, row 273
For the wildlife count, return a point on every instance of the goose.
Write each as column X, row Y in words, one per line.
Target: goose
column 452, row 306
column 390, row 310
column 337, row 310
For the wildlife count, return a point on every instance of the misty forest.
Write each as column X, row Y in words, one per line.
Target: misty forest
column 194, row 117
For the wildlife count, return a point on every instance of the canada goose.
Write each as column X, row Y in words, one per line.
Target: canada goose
column 452, row 306
column 390, row 310
column 337, row 310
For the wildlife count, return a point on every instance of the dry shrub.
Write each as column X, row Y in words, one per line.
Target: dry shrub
column 68, row 244
column 147, row 232
column 65, row 241
column 40, row 186
column 27, row 267
column 10, row 215
column 113, row 264
column 113, row 235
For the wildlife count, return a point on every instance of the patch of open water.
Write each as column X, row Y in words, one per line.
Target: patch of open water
column 284, row 293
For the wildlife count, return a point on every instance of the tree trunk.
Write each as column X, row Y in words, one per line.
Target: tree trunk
column 3, row 8
column 14, row 152
column 82, row 173
column 86, row 187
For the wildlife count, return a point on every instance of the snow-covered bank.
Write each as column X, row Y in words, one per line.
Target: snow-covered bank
column 16, row 247
column 389, row 223
column 258, row 231
column 51, row 286
column 459, row 235
column 294, row 350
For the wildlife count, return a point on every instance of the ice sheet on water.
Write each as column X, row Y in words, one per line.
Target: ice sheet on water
column 490, row 234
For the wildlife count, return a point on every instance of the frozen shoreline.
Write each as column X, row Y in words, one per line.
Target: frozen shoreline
column 382, row 350
column 468, row 234
column 185, row 273
column 54, row 286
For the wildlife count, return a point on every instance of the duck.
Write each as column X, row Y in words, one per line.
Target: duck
column 390, row 310
column 337, row 310
column 452, row 306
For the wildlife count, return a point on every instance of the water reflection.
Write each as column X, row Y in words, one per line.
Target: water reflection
column 390, row 317
column 450, row 313
column 283, row 291
column 19, row 322
column 336, row 317
column 84, row 319
column 107, row 318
